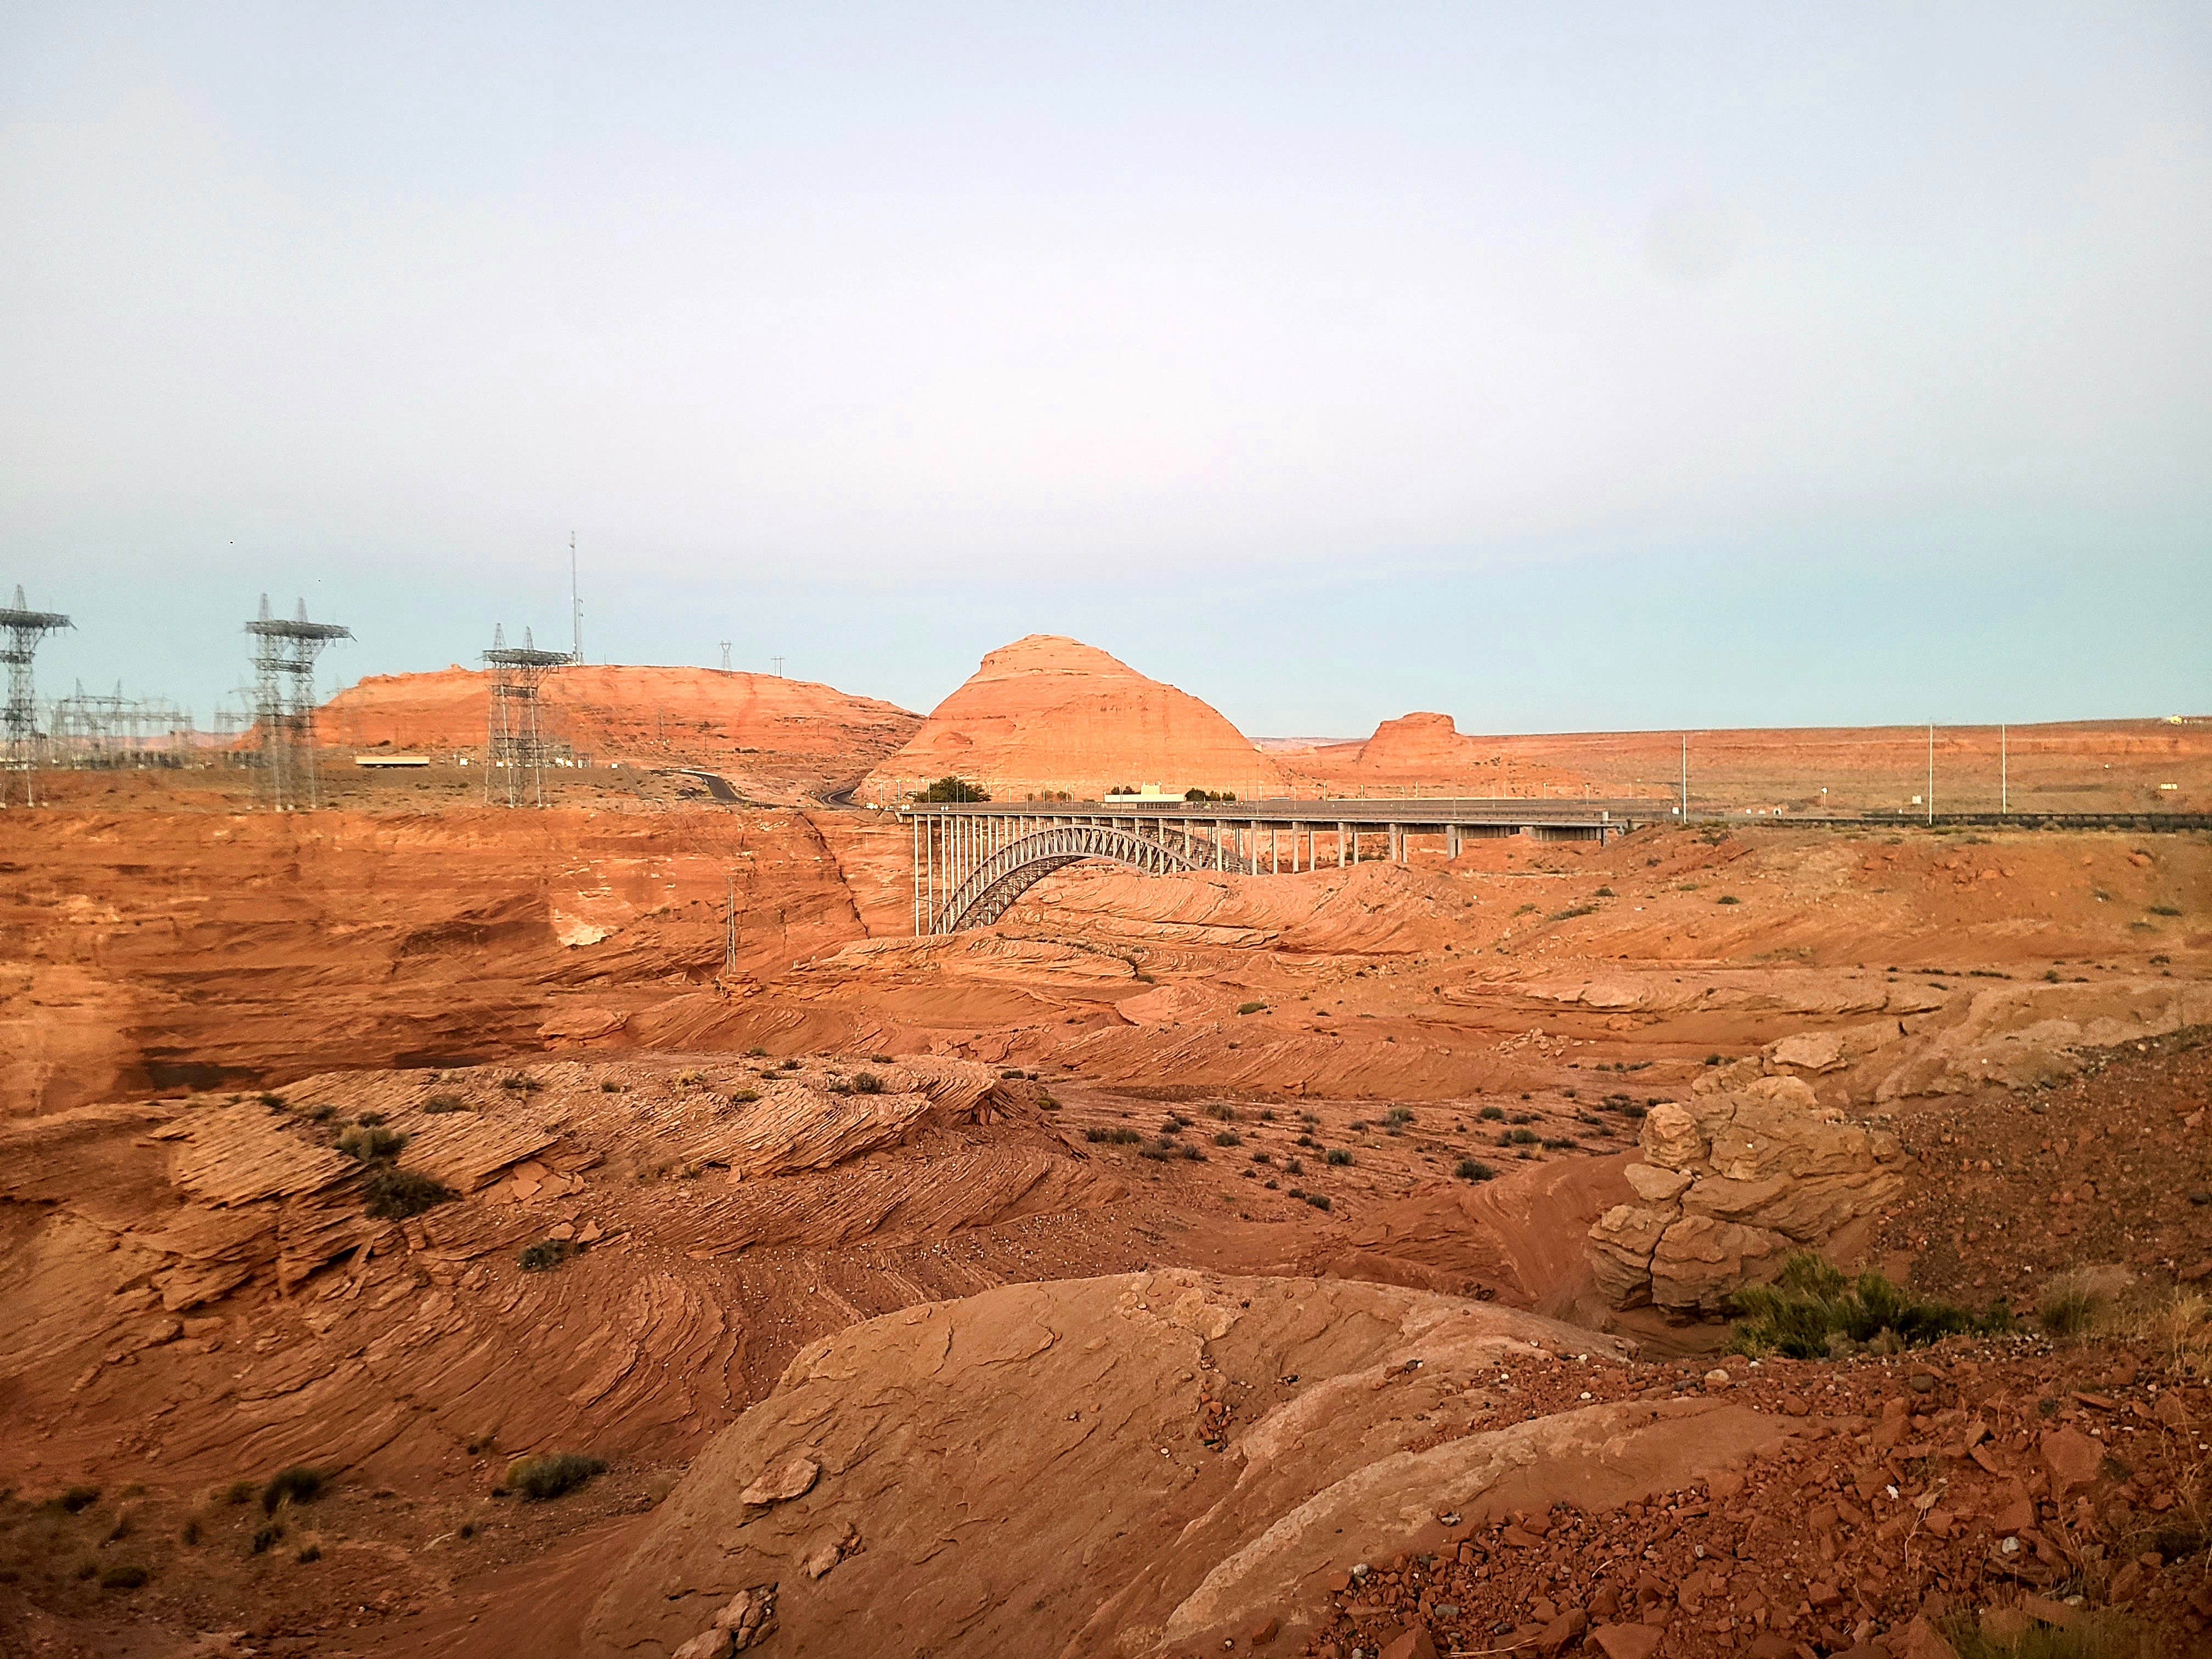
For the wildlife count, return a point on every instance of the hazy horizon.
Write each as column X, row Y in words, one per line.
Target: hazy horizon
column 1570, row 371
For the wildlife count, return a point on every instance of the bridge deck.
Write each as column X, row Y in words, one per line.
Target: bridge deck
column 1327, row 813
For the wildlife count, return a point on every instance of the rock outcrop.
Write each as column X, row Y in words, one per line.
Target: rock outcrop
column 1150, row 1464
column 1749, row 1170
column 1427, row 751
column 1048, row 712
column 606, row 709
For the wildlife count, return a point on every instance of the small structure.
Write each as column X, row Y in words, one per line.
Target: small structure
column 391, row 762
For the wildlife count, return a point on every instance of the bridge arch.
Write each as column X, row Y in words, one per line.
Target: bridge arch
column 991, row 888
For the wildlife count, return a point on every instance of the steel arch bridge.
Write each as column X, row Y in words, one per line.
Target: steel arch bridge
column 988, row 890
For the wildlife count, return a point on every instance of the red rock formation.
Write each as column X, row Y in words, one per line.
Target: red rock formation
column 1426, row 754
column 692, row 713
column 1048, row 712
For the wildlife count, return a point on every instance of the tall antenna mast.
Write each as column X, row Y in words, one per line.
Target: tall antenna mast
column 575, row 603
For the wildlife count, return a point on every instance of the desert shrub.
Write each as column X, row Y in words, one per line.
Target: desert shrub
column 1812, row 1306
column 1727, row 898
column 2180, row 1327
column 1191, row 1154
column 394, row 1194
column 2068, row 1306
column 123, row 1575
column 2165, row 910
column 744, row 1096
column 1605, row 892
column 1524, row 1117
column 371, row 1141
column 319, row 1113
column 190, row 1535
column 520, row 1082
column 1223, row 1110
column 1473, row 1169
column 1398, row 1115
column 1251, row 1007
column 755, row 1053
column 240, row 1491
column 370, row 1120
column 1229, row 1137
column 1295, row 1165
column 1712, row 1059
column 1491, row 1114
column 1047, row 1102
column 1319, row 1200
column 867, row 1083
column 298, row 1485
column 438, row 1104
column 1338, row 1155
column 267, row 1537
column 547, row 1254
column 309, row 1552
column 1263, row 1158
column 2091, row 1634
column 1358, row 1126
column 273, row 1101
column 549, row 1474
column 1519, row 1138
column 1158, row 1153
column 77, row 1500
column 1560, row 1143
column 885, row 1059
column 1572, row 911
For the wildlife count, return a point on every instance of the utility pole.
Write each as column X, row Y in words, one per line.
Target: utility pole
column 1686, row 777
column 778, row 661
column 1931, row 771
column 729, row 927
column 2004, row 774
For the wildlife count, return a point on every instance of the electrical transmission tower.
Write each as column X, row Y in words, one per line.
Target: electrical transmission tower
column 22, row 628
column 284, row 655
column 726, row 656
column 516, row 741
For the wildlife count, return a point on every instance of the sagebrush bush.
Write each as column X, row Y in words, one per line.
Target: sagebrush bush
column 438, row 1104
column 299, row 1483
column 1338, row 1155
column 368, row 1142
column 1473, row 1169
column 549, row 1474
column 547, row 1254
column 394, row 1194
column 1812, row 1308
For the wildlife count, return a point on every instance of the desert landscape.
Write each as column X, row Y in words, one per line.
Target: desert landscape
column 608, row 1228
column 1178, row 832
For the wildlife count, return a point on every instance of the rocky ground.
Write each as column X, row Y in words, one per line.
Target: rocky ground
column 1405, row 1094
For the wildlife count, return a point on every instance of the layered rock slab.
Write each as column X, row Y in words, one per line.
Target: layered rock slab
column 1130, row 1466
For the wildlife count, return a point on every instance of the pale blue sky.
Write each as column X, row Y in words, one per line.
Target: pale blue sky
column 1550, row 366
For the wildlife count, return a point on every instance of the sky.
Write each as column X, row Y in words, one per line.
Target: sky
column 1557, row 367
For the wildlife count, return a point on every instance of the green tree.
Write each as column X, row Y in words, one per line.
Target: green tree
column 953, row 789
